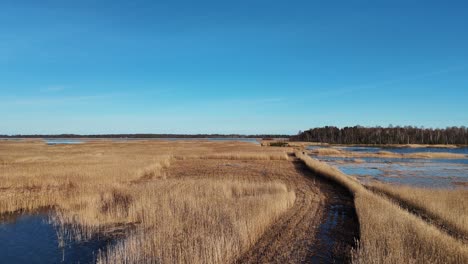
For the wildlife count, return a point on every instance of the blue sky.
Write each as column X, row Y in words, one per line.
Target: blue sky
column 230, row 66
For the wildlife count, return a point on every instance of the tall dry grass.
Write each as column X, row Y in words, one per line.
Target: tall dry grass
column 390, row 234
column 331, row 173
column 124, row 189
column 198, row 221
column 240, row 156
column 449, row 207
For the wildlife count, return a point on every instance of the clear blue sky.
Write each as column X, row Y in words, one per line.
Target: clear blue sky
column 230, row 66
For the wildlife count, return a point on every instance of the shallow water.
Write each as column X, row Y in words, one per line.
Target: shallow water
column 32, row 239
column 395, row 160
column 463, row 150
column 60, row 141
column 362, row 149
column 339, row 230
column 443, row 173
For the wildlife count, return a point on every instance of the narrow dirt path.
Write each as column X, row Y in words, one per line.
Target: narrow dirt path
column 320, row 228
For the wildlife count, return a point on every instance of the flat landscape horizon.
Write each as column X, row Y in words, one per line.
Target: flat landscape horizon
column 227, row 200
column 233, row 132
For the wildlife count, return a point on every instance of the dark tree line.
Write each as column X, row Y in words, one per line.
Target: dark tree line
column 385, row 135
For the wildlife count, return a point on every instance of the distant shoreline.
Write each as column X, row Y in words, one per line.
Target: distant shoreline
column 146, row 136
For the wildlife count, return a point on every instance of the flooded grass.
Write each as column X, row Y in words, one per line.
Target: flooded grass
column 398, row 150
column 441, row 173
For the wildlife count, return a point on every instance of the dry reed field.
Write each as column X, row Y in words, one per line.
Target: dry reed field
column 291, row 238
column 446, row 207
column 172, row 202
column 390, row 234
column 219, row 202
column 126, row 189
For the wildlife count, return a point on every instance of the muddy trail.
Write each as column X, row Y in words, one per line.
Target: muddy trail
column 322, row 226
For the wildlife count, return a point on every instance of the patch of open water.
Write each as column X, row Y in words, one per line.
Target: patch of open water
column 32, row 238
column 58, row 141
column 403, row 150
column 443, row 173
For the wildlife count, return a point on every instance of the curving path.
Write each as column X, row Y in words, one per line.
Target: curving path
column 321, row 227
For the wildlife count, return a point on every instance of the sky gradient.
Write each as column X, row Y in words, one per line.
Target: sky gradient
column 250, row 67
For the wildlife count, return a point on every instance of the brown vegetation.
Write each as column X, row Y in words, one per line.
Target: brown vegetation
column 291, row 238
column 212, row 202
column 390, row 234
column 448, row 208
column 105, row 187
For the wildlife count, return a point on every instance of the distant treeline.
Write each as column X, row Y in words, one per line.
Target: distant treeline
column 384, row 135
column 147, row 136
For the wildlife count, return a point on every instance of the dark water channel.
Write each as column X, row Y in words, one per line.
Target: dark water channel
column 338, row 232
column 31, row 238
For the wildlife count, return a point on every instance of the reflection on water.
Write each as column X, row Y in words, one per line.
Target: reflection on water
column 362, row 149
column 461, row 150
column 417, row 172
column 395, row 160
column 59, row 141
column 32, row 239
column 338, row 232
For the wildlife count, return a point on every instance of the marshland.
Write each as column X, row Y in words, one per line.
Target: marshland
column 232, row 132
column 224, row 201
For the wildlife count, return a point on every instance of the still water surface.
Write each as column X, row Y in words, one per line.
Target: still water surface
column 461, row 150
column 33, row 239
column 60, row 141
column 444, row 173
